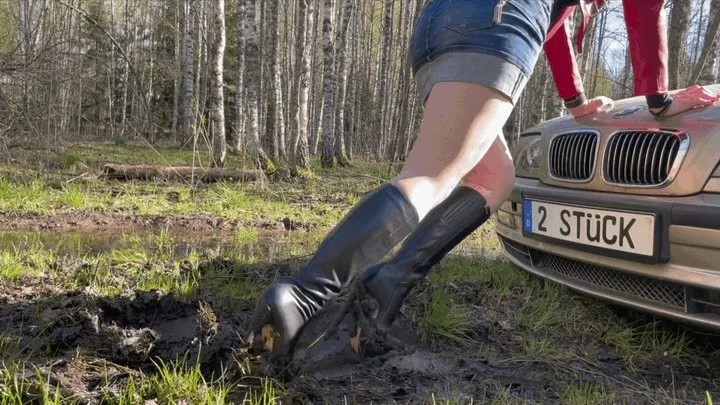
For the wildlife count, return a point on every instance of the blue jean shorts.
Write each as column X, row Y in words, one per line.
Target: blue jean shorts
column 495, row 43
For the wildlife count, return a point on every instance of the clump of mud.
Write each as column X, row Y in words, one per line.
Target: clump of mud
column 116, row 337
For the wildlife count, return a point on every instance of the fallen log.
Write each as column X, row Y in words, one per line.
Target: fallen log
column 142, row 172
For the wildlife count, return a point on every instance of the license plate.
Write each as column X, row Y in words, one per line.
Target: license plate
column 616, row 230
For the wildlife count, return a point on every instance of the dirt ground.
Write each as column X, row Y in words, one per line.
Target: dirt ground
column 115, row 222
column 92, row 346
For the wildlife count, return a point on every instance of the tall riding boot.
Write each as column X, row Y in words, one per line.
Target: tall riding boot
column 438, row 233
column 366, row 234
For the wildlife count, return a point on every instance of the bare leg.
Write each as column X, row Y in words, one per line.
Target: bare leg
column 494, row 175
column 458, row 141
column 459, row 128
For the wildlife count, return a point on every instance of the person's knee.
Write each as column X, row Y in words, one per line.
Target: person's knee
column 424, row 192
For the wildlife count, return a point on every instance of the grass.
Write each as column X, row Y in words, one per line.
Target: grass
column 537, row 348
column 12, row 387
column 16, row 390
column 174, row 382
column 543, row 316
column 443, row 318
column 57, row 188
column 586, row 394
column 641, row 342
column 267, row 394
column 23, row 263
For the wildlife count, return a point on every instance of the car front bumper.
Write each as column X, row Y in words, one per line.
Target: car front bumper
column 681, row 282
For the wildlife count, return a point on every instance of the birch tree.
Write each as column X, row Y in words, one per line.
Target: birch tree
column 252, row 85
column 275, row 123
column 343, row 61
column 188, row 71
column 328, row 138
column 217, row 95
column 677, row 33
column 708, row 55
column 300, row 151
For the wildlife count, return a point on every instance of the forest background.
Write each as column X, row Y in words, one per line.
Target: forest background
column 277, row 82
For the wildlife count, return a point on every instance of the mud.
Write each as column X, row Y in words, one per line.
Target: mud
column 116, row 222
column 91, row 346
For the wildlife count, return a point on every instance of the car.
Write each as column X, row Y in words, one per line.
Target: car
column 624, row 207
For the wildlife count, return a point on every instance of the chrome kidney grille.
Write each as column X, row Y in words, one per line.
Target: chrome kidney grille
column 572, row 156
column 644, row 158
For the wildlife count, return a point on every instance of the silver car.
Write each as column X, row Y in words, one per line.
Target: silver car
column 624, row 207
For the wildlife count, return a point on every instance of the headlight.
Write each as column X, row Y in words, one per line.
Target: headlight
column 528, row 156
column 713, row 185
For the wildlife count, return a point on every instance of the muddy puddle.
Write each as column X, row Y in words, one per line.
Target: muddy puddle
column 92, row 347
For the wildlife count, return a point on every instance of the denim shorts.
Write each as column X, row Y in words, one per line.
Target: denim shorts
column 494, row 43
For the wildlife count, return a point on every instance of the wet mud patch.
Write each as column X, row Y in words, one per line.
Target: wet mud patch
column 82, row 343
column 493, row 367
column 90, row 345
column 125, row 221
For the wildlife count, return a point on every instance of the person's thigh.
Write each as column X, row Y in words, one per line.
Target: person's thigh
column 453, row 138
column 470, row 70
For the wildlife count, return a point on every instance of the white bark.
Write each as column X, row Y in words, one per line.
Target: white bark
column 217, row 95
column 328, row 151
column 252, row 84
column 188, row 74
column 300, row 152
column 240, row 94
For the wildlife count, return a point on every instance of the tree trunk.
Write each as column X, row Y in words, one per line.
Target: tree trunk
column 252, row 85
column 188, row 75
column 217, row 95
column 343, row 57
column 383, row 72
column 708, row 54
column 237, row 145
column 275, row 123
column 677, row 32
column 300, row 156
column 176, row 74
column 143, row 172
column 328, row 151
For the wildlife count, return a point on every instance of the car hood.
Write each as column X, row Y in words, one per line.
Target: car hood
column 702, row 126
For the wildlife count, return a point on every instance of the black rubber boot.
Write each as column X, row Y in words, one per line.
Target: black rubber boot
column 438, row 233
column 366, row 234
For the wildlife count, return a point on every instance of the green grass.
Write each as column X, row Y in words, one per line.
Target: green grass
column 641, row 342
column 12, row 387
column 174, row 382
column 536, row 348
column 549, row 307
column 443, row 401
column 443, row 318
column 11, row 267
column 586, row 394
column 266, row 394
column 16, row 390
column 26, row 188
column 22, row 263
